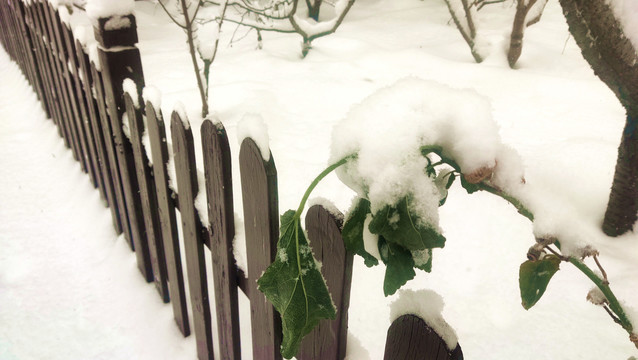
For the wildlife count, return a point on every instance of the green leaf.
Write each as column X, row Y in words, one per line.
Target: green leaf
column 400, row 225
column 295, row 287
column 352, row 232
column 534, row 277
column 399, row 266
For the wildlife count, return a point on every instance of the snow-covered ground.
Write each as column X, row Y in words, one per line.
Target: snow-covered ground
column 69, row 288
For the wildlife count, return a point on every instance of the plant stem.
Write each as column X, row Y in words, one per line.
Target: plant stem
column 509, row 198
column 316, row 181
column 601, row 283
column 614, row 305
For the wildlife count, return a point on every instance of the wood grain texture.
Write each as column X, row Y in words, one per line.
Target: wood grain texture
column 168, row 223
column 98, row 136
column 193, row 241
column 219, row 191
column 117, row 66
column 410, row 338
column 329, row 339
column 148, row 197
column 261, row 212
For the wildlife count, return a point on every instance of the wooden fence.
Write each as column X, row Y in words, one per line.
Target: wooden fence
column 103, row 127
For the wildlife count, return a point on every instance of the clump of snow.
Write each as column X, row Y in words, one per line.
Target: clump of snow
column 239, row 244
column 253, row 126
column 428, row 305
column 94, row 56
column 58, row 3
column 106, row 8
column 126, row 127
column 117, row 22
column 387, row 130
column 181, row 112
column 201, row 200
column 328, row 205
column 370, row 240
column 152, row 95
column 130, row 88
column 82, row 34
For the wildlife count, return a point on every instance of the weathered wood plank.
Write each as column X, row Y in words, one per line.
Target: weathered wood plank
column 261, row 221
column 95, row 124
column 118, row 65
column 410, row 338
column 219, row 191
column 329, row 339
column 184, row 154
column 111, row 152
column 168, row 223
column 148, row 197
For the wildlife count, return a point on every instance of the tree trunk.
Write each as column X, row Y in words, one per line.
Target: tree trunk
column 613, row 59
column 518, row 30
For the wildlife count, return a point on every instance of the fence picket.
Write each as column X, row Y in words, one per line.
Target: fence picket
column 148, row 197
column 116, row 66
column 167, row 219
column 410, row 338
column 329, row 339
column 184, row 153
column 219, row 190
column 98, row 135
column 261, row 221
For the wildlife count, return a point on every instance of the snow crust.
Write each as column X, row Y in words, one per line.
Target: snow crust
column 106, row 8
column 94, row 55
column 253, row 126
column 117, row 22
column 428, row 305
column 181, row 111
column 326, row 204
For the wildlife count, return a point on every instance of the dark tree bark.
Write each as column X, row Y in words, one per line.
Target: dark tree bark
column 615, row 62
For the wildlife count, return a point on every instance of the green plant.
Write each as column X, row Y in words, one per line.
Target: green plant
column 293, row 283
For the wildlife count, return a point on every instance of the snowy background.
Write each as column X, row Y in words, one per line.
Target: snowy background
column 70, row 289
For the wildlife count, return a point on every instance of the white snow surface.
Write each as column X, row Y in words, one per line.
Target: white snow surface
column 428, row 305
column 130, row 88
column 106, row 8
column 71, row 286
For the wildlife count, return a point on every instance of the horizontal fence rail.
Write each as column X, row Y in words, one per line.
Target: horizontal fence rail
column 104, row 125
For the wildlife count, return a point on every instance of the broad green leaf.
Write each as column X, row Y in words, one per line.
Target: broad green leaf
column 295, row 287
column 352, row 232
column 534, row 277
column 399, row 266
column 444, row 181
column 399, row 224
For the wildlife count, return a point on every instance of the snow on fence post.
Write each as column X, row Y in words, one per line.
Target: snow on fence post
column 184, row 153
column 168, row 223
column 119, row 60
column 410, row 338
column 261, row 221
column 219, row 192
column 329, row 339
column 148, row 195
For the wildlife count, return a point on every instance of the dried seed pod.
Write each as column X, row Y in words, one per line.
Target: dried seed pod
column 535, row 253
column 589, row 251
column 479, row 175
column 545, row 241
column 596, row 297
column 634, row 339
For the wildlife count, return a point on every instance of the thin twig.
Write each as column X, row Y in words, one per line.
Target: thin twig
column 614, row 317
column 601, row 268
